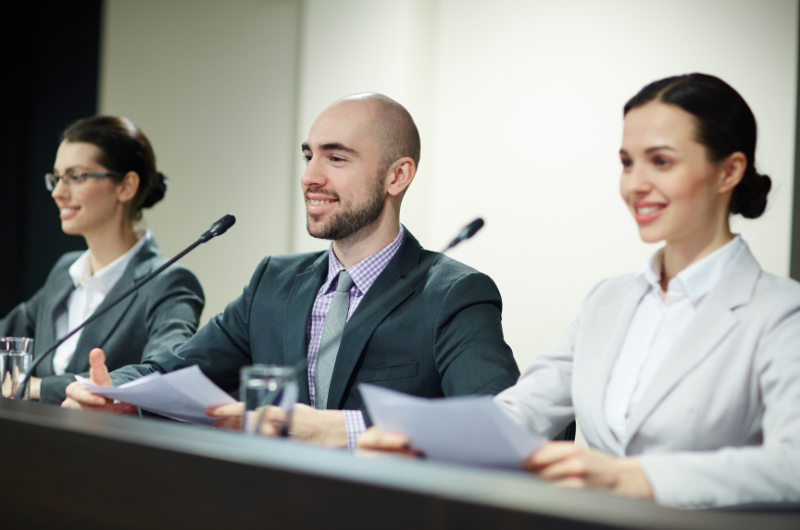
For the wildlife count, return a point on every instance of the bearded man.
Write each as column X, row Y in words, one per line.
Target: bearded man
column 440, row 335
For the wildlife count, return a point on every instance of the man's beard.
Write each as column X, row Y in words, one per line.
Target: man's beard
column 345, row 223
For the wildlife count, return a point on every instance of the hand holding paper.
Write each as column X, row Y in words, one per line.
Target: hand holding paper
column 470, row 430
column 183, row 395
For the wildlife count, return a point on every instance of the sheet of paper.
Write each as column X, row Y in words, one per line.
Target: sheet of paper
column 183, row 395
column 471, row 430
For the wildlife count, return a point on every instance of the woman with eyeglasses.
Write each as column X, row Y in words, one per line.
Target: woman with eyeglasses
column 104, row 175
column 685, row 376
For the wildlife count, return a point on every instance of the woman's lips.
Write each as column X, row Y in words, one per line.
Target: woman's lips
column 648, row 213
column 67, row 212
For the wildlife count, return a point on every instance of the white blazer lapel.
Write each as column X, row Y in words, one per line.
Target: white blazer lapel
column 713, row 321
column 611, row 330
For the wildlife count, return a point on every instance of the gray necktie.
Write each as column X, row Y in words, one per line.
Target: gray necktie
column 331, row 338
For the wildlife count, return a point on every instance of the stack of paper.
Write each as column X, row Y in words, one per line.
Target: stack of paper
column 471, row 430
column 183, row 395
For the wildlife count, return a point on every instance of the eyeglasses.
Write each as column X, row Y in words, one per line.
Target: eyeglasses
column 51, row 180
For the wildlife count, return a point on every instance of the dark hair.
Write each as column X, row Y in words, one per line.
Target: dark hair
column 124, row 148
column 725, row 125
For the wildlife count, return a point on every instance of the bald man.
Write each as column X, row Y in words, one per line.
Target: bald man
column 441, row 335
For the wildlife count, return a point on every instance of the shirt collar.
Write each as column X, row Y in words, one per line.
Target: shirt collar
column 365, row 272
column 108, row 276
column 697, row 279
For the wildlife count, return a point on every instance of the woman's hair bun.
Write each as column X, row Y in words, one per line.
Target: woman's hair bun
column 750, row 196
column 156, row 190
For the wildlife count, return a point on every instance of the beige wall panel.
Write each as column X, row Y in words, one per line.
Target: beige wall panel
column 213, row 85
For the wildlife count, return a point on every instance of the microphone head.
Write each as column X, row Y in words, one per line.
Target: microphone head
column 467, row 232
column 221, row 226
column 471, row 229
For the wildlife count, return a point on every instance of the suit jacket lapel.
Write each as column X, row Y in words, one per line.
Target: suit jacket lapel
column 46, row 335
column 298, row 308
column 375, row 308
column 619, row 315
column 95, row 334
column 713, row 321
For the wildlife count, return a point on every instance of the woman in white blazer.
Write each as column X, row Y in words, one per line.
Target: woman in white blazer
column 685, row 376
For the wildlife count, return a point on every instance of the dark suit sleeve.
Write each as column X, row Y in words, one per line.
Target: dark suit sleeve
column 219, row 349
column 173, row 304
column 470, row 351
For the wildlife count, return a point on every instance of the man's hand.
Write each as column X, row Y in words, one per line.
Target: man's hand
column 377, row 440
column 575, row 467
column 80, row 398
column 324, row 427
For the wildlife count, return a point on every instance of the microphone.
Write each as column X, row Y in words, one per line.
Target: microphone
column 216, row 229
column 466, row 233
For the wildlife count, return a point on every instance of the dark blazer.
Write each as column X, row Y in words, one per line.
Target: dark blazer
column 439, row 336
column 163, row 313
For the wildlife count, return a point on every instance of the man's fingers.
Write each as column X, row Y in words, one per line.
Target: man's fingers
column 70, row 403
column 375, row 439
column 231, row 409
column 82, row 397
column 274, row 423
column 79, row 398
column 98, row 372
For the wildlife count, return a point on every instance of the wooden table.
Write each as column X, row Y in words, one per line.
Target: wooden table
column 75, row 469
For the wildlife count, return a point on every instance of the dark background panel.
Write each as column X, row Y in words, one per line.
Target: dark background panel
column 51, row 51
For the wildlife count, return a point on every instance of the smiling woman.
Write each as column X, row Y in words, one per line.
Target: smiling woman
column 685, row 376
column 104, row 174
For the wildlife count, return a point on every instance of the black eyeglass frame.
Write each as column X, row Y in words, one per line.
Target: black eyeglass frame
column 51, row 179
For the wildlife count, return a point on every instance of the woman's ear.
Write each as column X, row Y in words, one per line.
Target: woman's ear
column 126, row 190
column 732, row 171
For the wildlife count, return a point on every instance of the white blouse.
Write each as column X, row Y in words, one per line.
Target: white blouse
column 656, row 326
column 90, row 291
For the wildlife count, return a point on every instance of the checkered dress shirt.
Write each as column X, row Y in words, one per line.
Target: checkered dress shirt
column 364, row 274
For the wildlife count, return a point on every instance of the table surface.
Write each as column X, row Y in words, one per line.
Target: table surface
column 93, row 470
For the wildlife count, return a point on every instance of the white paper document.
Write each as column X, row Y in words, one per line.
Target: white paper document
column 183, row 395
column 471, row 430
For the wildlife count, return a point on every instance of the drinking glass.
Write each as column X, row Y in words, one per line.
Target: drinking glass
column 16, row 354
column 267, row 384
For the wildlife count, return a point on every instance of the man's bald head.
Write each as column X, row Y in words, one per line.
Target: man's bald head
column 395, row 129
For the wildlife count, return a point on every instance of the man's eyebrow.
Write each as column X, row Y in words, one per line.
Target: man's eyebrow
column 332, row 146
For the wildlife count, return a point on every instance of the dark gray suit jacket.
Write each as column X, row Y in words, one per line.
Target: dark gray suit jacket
column 163, row 313
column 439, row 336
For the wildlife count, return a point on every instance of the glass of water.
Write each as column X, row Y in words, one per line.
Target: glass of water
column 267, row 384
column 16, row 354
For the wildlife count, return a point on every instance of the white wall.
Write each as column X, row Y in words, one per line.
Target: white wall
column 519, row 104
column 213, row 85
column 378, row 46
column 528, row 120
